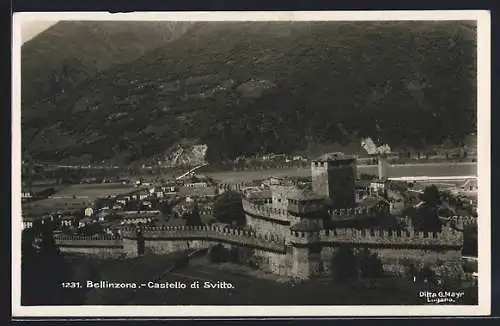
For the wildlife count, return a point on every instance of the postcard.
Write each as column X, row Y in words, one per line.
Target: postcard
column 246, row 164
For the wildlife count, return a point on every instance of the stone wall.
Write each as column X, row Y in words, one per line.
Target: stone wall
column 396, row 261
column 265, row 211
column 216, row 234
column 102, row 246
column 296, row 256
column 276, row 263
column 267, row 227
column 408, row 238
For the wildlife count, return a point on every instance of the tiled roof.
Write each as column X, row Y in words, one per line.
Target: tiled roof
column 302, row 194
column 203, row 191
column 370, row 201
column 258, row 194
column 363, row 183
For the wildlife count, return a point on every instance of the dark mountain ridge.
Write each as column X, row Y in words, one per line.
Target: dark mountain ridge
column 245, row 88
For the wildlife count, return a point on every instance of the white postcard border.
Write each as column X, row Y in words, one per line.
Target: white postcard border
column 484, row 134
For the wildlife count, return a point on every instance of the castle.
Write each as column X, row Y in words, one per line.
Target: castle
column 288, row 230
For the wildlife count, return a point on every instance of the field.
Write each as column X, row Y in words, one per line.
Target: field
column 53, row 204
column 75, row 197
column 93, row 191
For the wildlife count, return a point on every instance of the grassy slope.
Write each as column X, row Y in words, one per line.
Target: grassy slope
column 245, row 87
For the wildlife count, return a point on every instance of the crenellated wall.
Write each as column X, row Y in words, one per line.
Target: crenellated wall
column 276, row 215
column 396, row 250
column 100, row 246
column 162, row 238
column 267, row 219
column 266, row 211
column 303, row 254
column 448, row 238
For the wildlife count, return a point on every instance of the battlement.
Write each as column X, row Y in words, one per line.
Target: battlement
column 300, row 237
column 217, row 233
column 88, row 242
column 356, row 211
column 447, row 237
column 234, row 186
column 266, row 211
column 282, row 214
column 85, row 238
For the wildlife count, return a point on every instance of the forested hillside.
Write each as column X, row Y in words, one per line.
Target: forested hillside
column 245, row 88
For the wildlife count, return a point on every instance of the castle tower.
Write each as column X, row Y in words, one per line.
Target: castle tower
column 306, row 250
column 306, row 205
column 334, row 177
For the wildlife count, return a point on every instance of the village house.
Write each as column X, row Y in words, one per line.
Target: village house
column 89, row 211
column 156, row 192
column 66, row 219
column 28, row 222
column 198, row 192
column 86, row 221
column 377, row 186
column 196, row 184
column 26, row 194
column 121, row 199
column 139, row 217
column 146, row 204
column 118, row 206
column 469, row 186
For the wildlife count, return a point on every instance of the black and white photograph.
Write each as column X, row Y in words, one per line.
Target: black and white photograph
column 251, row 163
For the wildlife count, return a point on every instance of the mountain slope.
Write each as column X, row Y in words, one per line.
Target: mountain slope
column 57, row 60
column 244, row 88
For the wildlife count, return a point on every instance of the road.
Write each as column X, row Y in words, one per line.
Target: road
column 394, row 171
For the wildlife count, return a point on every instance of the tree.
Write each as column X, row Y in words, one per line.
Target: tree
column 217, row 254
column 366, row 176
column 188, row 211
column 228, row 208
column 91, row 229
column 426, row 217
column 431, row 196
column 344, row 264
column 426, row 273
column 370, row 265
column 44, row 270
column 193, row 216
column 470, row 246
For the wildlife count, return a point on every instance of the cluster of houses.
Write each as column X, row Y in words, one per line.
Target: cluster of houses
column 141, row 206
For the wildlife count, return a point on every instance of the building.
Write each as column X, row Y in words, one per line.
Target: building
column 334, row 195
column 378, row 186
column 469, row 186
column 89, row 211
column 26, row 195
column 333, row 177
column 290, row 227
column 28, row 221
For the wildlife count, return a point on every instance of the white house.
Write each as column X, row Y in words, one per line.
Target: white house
column 377, row 185
column 89, row 211
column 25, row 195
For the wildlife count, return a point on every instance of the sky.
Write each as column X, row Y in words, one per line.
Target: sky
column 30, row 29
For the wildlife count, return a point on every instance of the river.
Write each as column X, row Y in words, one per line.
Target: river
column 394, row 171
